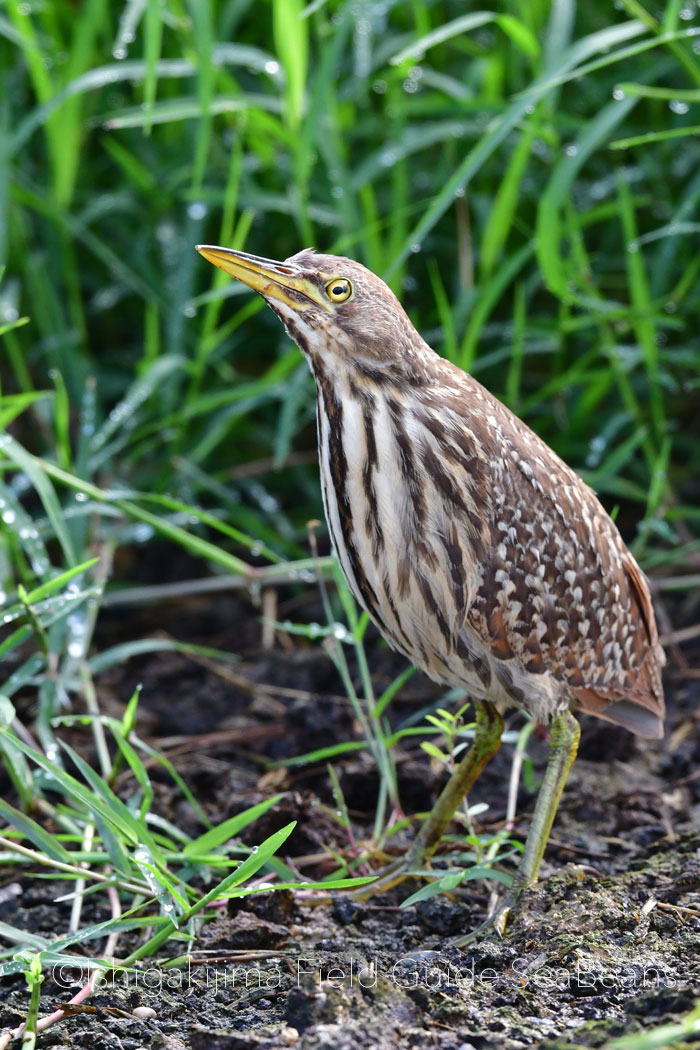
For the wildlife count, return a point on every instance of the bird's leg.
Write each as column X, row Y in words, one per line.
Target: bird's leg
column 564, row 736
column 486, row 742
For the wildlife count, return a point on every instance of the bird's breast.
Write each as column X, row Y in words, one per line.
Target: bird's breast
column 403, row 521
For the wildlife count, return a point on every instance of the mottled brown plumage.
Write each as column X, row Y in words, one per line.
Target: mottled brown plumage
column 477, row 552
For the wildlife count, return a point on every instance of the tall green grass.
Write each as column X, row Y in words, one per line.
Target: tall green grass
column 525, row 179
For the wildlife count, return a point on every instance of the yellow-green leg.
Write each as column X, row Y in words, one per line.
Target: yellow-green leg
column 564, row 736
column 486, row 742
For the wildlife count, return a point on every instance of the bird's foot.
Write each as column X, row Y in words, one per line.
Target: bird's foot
column 496, row 922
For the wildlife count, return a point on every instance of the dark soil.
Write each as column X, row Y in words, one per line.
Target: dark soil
column 609, row 942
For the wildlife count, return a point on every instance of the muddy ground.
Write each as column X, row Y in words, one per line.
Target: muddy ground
column 609, row 943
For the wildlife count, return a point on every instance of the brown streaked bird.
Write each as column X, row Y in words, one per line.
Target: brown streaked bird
column 478, row 553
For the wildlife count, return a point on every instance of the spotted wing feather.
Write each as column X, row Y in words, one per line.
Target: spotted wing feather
column 560, row 594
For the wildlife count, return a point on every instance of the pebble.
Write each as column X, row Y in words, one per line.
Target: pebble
column 144, row 1013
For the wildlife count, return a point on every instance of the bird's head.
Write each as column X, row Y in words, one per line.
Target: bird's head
column 331, row 306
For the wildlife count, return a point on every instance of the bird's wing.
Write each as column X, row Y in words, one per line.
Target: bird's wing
column 560, row 594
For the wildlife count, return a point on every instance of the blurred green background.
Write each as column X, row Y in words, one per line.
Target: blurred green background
column 527, row 178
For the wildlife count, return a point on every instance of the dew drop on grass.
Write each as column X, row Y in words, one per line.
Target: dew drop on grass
column 8, row 516
column 618, row 94
column 571, row 150
column 633, row 247
column 254, row 849
column 119, row 53
column 196, row 210
column 272, row 67
column 416, row 248
column 676, row 106
column 686, row 13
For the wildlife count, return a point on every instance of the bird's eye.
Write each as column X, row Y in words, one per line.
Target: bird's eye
column 339, row 289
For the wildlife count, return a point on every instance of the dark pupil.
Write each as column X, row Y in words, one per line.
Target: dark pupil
column 338, row 289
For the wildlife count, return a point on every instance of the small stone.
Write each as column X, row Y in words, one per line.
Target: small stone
column 144, row 1013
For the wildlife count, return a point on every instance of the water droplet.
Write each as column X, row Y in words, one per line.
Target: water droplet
column 75, row 650
column 676, row 106
column 81, row 497
column 197, row 210
column 8, row 516
column 379, row 87
column 633, row 247
column 272, row 67
column 618, row 94
column 254, row 849
column 337, row 192
column 459, row 192
column 143, row 533
column 571, row 150
column 119, row 53
column 686, row 13
column 189, row 310
column 410, row 86
column 388, row 158
column 415, row 248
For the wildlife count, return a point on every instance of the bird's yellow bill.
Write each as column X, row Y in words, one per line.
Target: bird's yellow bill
column 272, row 279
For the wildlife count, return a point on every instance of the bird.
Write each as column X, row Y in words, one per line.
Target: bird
column 479, row 554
